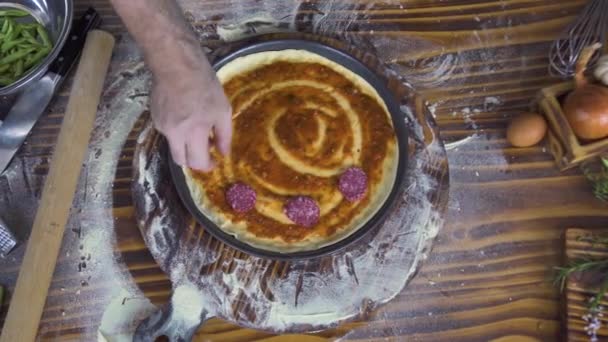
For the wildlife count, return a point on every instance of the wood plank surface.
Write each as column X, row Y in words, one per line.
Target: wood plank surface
column 477, row 63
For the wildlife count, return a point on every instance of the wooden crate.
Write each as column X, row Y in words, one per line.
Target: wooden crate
column 566, row 148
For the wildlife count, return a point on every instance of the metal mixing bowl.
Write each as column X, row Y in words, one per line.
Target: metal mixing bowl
column 56, row 16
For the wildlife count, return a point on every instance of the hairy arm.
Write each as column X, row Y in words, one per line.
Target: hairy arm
column 187, row 100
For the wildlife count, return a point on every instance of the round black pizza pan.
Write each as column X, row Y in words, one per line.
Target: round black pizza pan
column 401, row 133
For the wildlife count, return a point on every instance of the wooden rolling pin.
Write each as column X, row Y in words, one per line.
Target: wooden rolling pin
column 44, row 243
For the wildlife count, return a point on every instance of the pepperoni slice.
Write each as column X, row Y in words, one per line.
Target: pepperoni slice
column 302, row 210
column 353, row 184
column 241, row 197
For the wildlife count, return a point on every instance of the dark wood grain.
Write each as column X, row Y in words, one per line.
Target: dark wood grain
column 489, row 276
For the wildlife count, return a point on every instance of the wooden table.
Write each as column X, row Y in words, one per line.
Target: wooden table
column 489, row 276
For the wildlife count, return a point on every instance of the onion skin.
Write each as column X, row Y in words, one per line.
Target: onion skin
column 601, row 70
column 586, row 109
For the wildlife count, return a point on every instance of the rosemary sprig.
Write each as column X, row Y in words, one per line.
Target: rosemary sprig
column 585, row 265
column 599, row 179
column 578, row 265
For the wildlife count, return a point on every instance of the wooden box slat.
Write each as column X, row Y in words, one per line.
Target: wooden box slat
column 579, row 289
column 566, row 148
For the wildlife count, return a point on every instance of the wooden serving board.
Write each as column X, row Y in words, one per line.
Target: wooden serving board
column 298, row 295
column 580, row 288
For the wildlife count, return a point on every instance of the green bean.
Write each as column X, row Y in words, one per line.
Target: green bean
column 43, row 35
column 30, row 38
column 16, row 56
column 17, row 31
column 28, row 59
column 4, row 68
column 34, row 42
column 11, row 27
column 5, row 80
column 27, row 45
column 13, row 13
column 30, row 29
column 18, row 70
column 36, row 57
column 27, row 34
column 9, row 44
column 5, row 27
column 31, row 32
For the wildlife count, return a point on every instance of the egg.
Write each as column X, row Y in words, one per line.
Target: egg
column 527, row 129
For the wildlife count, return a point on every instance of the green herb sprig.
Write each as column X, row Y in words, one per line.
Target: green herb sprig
column 587, row 265
column 22, row 45
column 599, row 179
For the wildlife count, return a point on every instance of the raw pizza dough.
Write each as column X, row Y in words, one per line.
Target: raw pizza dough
column 299, row 121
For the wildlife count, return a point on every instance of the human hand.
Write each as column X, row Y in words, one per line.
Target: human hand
column 187, row 105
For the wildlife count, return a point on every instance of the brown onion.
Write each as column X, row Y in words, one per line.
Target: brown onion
column 586, row 107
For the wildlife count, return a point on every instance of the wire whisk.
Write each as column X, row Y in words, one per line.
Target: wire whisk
column 591, row 26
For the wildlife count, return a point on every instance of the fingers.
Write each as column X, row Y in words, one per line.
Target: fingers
column 177, row 146
column 197, row 149
column 223, row 133
column 190, row 147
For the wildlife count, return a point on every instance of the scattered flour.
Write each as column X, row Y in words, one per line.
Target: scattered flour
column 92, row 222
column 476, row 142
column 433, row 108
column 491, row 102
column 468, row 116
column 338, row 19
column 187, row 302
column 122, row 315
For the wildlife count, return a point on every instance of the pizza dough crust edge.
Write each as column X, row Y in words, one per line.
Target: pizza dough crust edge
column 379, row 192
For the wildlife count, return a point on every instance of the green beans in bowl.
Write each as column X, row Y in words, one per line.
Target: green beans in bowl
column 22, row 46
column 32, row 33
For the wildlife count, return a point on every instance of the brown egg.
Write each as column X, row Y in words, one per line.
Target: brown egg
column 527, row 129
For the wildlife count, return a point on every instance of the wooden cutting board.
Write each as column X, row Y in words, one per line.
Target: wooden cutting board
column 312, row 294
column 579, row 288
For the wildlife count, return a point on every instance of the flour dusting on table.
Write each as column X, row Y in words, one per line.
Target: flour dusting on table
column 122, row 315
column 352, row 22
column 187, row 303
column 92, row 223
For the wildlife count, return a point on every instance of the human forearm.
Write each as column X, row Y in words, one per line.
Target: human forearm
column 167, row 42
column 187, row 101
